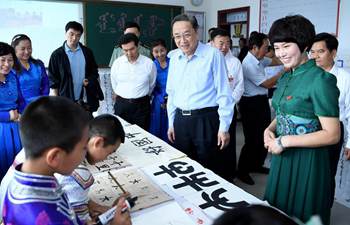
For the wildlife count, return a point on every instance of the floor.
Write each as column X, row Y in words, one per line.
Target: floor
column 339, row 216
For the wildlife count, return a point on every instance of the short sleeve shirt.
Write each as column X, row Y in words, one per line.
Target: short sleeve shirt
column 254, row 75
column 307, row 92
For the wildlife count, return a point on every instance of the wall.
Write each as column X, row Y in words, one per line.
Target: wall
column 38, row 20
column 344, row 32
column 343, row 26
column 212, row 6
column 185, row 3
column 217, row 5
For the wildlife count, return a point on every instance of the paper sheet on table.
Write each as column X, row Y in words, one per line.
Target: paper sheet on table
column 214, row 201
column 183, row 176
column 142, row 148
column 196, row 214
column 185, row 166
column 169, row 213
column 113, row 161
column 198, row 186
column 105, row 190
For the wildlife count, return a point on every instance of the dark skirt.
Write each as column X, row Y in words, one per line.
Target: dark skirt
column 10, row 145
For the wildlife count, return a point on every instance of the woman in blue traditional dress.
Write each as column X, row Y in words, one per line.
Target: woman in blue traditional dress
column 10, row 100
column 32, row 75
column 159, row 118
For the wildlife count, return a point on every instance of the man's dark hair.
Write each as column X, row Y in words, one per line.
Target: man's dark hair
column 185, row 17
column 330, row 40
column 254, row 32
column 127, row 38
column 253, row 215
column 296, row 29
column 108, row 127
column 256, row 39
column 75, row 26
column 211, row 29
column 270, row 48
column 6, row 49
column 244, row 40
column 219, row 31
column 52, row 121
column 131, row 24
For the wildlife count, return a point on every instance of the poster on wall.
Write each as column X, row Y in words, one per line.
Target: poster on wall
column 271, row 10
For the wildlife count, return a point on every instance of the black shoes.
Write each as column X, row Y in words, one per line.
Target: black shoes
column 245, row 178
column 262, row 170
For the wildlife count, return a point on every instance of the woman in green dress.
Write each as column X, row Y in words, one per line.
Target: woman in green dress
column 306, row 103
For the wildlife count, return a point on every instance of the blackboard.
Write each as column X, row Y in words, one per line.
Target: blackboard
column 324, row 14
column 104, row 22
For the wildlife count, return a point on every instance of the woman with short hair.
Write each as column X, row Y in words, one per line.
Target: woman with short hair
column 307, row 123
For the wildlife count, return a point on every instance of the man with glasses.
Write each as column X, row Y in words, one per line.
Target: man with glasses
column 200, row 103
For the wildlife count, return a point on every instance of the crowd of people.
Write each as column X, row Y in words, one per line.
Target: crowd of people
column 189, row 97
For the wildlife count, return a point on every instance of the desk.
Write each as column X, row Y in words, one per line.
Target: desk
column 198, row 195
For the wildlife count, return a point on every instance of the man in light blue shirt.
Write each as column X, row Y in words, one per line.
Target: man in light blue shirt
column 73, row 72
column 200, row 103
column 77, row 66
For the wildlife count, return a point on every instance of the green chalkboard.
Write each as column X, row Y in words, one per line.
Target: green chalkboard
column 104, row 22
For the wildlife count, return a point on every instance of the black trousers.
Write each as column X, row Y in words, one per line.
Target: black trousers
column 256, row 116
column 196, row 136
column 226, row 167
column 138, row 113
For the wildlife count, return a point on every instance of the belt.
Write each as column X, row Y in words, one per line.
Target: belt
column 255, row 97
column 134, row 100
column 196, row 111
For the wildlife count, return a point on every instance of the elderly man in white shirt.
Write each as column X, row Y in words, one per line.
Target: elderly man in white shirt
column 220, row 39
column 133, row 77
column 324, row 51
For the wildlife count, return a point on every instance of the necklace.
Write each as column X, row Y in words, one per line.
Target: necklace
column 2, row 78
column 26, row 65
column 163, row 64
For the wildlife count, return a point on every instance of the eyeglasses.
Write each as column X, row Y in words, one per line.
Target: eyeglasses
column 224, row 43
column 186, row 35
